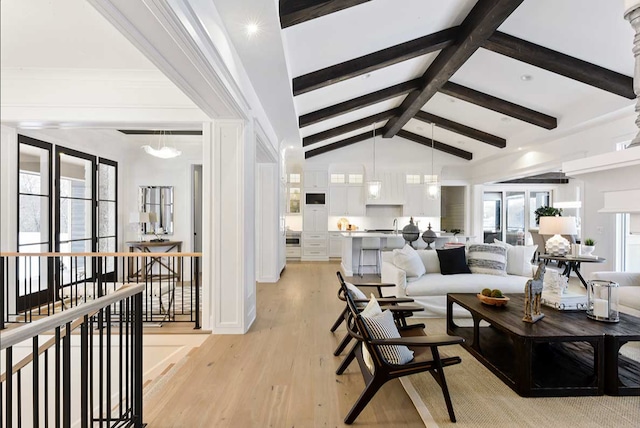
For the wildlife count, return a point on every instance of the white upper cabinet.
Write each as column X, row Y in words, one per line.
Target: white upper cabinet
column 347, row 200
column 315, row 180
column 315, row 219
column 418, row 204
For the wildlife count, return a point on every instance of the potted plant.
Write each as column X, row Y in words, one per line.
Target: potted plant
column 545, row 211
column 588, row 247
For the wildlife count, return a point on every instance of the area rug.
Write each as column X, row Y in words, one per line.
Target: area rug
column 480, row 399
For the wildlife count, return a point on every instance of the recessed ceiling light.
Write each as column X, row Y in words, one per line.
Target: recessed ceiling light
column 419, row 128
column 252, row 28
column 526, row 77
column 451, row 100
column 366, row 76
column 462, row 143
column 505, row 119
column 519, row 148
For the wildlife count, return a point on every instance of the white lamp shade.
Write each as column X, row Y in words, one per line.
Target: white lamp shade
column 558, row 226
column 144, row 217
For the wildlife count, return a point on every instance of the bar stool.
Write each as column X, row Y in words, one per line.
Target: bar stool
column 369, row 244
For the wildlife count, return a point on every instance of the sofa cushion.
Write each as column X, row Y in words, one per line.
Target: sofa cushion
column 435, row 284
column 409, row 261
column 430, row 260
column 453, row 261
column 518, row 258
column 382, row 327
column 488, row 259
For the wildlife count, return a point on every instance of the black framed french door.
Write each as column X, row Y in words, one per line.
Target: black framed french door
column 75, row 214
column 34, row 210
column 108, row 215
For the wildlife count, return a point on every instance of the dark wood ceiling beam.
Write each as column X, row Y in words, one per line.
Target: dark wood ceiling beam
column 562, row 64
column 358, row 103
column 158, row 132
column 483, row 20
column 294, row 12
column 340, row 144
column 374, row 61
column 436, row 144
column 499, row 105
column 348, row 127
column 461, row 129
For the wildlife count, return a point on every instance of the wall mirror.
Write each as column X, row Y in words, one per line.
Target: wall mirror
column 158, row 202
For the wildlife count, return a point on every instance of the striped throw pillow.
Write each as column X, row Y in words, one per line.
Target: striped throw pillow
column 382, row 327
column 488, row 259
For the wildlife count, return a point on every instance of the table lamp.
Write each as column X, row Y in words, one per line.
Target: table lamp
column 556, row 226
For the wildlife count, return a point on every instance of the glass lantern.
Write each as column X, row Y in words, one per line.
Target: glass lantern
column 603, row 301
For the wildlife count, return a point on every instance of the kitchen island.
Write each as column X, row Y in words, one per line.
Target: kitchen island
column 352, row 243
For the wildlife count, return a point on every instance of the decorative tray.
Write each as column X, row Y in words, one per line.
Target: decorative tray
column 495, row 301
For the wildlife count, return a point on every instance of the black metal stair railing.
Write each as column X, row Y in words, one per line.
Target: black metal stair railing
column 55, row 377
column 34, row 285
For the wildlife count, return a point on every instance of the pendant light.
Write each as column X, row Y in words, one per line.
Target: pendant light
column 374, row 186
column 164, row 152
column 431, row 181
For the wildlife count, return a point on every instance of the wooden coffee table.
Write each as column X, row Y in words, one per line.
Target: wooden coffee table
column 563, row 354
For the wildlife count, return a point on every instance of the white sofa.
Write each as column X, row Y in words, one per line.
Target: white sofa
column 430, row 290
column 629, row 291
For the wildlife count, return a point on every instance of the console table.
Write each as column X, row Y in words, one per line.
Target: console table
column 156, row 264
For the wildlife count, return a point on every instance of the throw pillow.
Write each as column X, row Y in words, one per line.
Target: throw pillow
column 488, row 259
column 382, row 327
column 409, row 261
column 355, row 292
column 518, row 258
column 372, row 309
column 453, row 261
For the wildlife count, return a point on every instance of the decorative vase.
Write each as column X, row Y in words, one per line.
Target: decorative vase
column 588, row 249
column 429, row 237
column 410, row 232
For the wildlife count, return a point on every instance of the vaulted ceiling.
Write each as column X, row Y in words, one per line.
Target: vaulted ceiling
column 492, row 75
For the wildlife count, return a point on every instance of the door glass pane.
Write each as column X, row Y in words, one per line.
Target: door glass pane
column 106, row 182
column 34, row 219
column 491, row 219
column 106, row 218
column 107, row 245
column 32, row 271
column 76, row 177
column 537, row 200
column 631, row 248
column 74, row 269
column 515, row 218
column 75, row 219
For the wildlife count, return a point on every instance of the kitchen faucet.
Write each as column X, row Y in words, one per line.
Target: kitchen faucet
column 395, row 226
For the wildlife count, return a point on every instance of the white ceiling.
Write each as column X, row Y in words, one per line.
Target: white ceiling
column 63, row 34
column 591, row 30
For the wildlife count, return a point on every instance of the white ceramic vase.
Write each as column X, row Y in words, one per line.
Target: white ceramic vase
column 587, row 250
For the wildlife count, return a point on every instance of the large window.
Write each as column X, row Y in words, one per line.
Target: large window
column 492, row 216
column 630, row 246
column 107, row 211
column 34, row 221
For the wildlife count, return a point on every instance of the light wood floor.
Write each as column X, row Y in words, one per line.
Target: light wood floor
column 282, row 372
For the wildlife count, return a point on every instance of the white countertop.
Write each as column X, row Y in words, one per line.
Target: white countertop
column 371, row 235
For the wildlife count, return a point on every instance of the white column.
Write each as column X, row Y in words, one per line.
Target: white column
column 267, row 217
column 8, row 186
column 632, row 14
column 228, row 227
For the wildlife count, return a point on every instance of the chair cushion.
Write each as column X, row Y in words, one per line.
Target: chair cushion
column 409, row 261
column 382, row 327
column 489, row 259
column 518, row 258
column 453, row 261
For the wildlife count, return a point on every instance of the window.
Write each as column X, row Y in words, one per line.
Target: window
column 34, row 221
column 515, row 218
column 294, row 178
column 413, row 178
column 537, row 200
column 508, row 215
column 356, row 178
column 337, row 178
column 492, row 216
column 630, row 246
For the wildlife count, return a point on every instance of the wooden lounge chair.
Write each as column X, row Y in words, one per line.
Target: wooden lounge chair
column 426, row 358
column 400, row 312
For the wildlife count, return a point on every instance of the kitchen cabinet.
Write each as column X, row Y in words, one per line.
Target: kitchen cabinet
column 315, row 179
column 346, row 200
column 335, row 244
column 314, row 245
column 315, row 219
column 418, row 204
